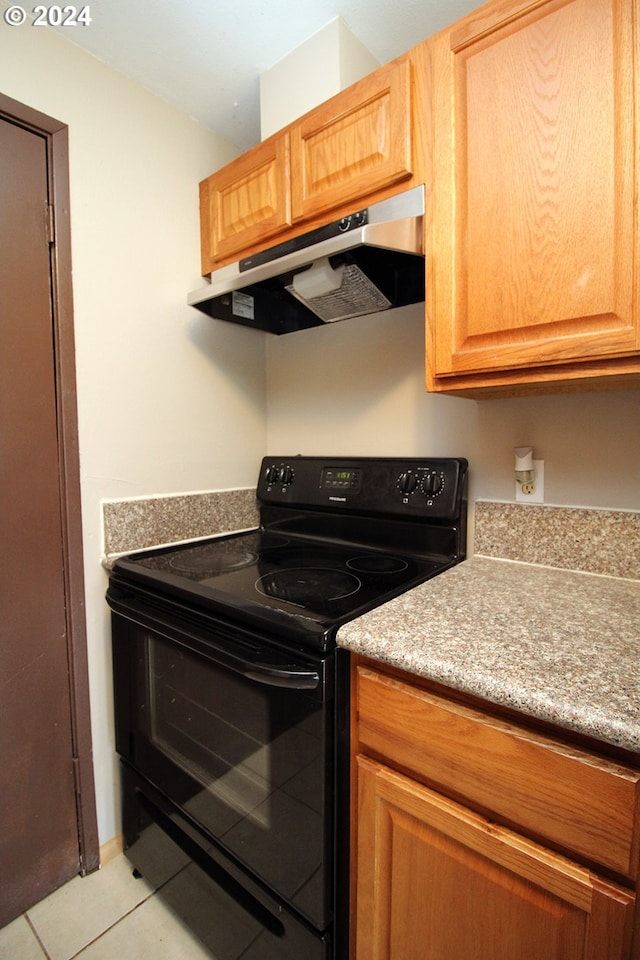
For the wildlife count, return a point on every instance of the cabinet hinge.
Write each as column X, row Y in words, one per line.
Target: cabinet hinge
column 50, row 223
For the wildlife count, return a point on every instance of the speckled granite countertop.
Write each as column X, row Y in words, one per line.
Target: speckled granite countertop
column 557, row 645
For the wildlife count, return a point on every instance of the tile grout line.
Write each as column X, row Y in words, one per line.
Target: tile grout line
column 95, row 939
column 89, row 943
column 37, row 936
column 111, row 926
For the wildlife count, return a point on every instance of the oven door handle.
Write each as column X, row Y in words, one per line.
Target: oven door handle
column 285, row 674
column 273, row 675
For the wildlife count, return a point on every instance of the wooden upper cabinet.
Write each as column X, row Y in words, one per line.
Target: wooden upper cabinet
column 356, row 143
column 246, row 202
column 534, row 247
column 361, row 146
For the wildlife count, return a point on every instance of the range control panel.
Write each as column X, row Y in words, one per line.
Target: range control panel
column 414, row 488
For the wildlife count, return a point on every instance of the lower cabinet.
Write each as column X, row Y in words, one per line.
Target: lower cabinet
column 437, row 881
column 440, row 871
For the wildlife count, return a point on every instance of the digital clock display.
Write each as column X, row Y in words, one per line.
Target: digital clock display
column 341, row 478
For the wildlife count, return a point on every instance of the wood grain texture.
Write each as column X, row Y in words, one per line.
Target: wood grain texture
column 246, row 202
column 436, row 881
column 534, row 240
column 365, row 144
column 567, row 797
column 355, row 144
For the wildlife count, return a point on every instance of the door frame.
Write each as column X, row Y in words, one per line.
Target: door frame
column 57, row 136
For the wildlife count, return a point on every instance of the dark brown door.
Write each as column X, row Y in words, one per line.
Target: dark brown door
column 39, row 843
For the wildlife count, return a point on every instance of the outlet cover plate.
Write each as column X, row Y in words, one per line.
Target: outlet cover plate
column 538, row 486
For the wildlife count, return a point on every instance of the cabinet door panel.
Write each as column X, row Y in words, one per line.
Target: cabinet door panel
column 534, row 232
column 357, row 143
column 436, row 881
column 245, row 202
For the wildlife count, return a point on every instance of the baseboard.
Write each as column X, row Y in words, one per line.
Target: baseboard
column 111, row 849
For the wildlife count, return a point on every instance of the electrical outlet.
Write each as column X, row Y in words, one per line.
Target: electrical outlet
column 532, row 492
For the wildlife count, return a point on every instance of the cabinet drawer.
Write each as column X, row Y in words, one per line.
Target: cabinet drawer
column 581, row 802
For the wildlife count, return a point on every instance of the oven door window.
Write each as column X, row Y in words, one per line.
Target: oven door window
column 247, row 761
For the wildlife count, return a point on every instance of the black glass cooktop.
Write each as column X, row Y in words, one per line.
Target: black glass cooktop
column 302, row 587
column 336, row 537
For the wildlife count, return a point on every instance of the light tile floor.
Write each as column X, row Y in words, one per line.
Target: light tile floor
column 108, row 915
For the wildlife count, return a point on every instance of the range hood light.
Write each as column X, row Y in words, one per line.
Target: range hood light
column 319, row 280
column 337, row 293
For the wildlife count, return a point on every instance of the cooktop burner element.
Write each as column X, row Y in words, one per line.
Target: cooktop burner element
column 308, row 587
column 336, row 538
column 211, row 558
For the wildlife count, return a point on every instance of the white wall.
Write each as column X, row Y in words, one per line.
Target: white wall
column 330, row 60
column 357, row 387
column 167, row 400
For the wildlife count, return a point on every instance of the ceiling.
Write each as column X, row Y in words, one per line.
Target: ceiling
column 206, row 56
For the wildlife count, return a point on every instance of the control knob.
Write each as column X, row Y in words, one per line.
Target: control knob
column 433, row 484
column 353, row 220
column 407, row 482
column 272, row 474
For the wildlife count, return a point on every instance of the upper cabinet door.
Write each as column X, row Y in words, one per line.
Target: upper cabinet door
column 356, row 143
column 246, row 202
column 534, row 243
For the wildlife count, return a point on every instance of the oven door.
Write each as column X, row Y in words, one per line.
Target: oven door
column 237, row 734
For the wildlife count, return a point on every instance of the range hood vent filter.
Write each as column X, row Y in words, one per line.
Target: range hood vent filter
column 337, row 294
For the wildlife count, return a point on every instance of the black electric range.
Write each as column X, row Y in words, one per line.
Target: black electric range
column 337, row 537
column 232, row 701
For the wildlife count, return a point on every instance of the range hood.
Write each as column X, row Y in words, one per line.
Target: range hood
column 369, row 261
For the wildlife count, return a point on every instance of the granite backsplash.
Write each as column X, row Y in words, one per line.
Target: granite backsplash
column 605, row 542
column 143, row 522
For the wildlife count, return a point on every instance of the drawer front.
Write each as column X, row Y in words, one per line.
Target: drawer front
column 585, row 804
